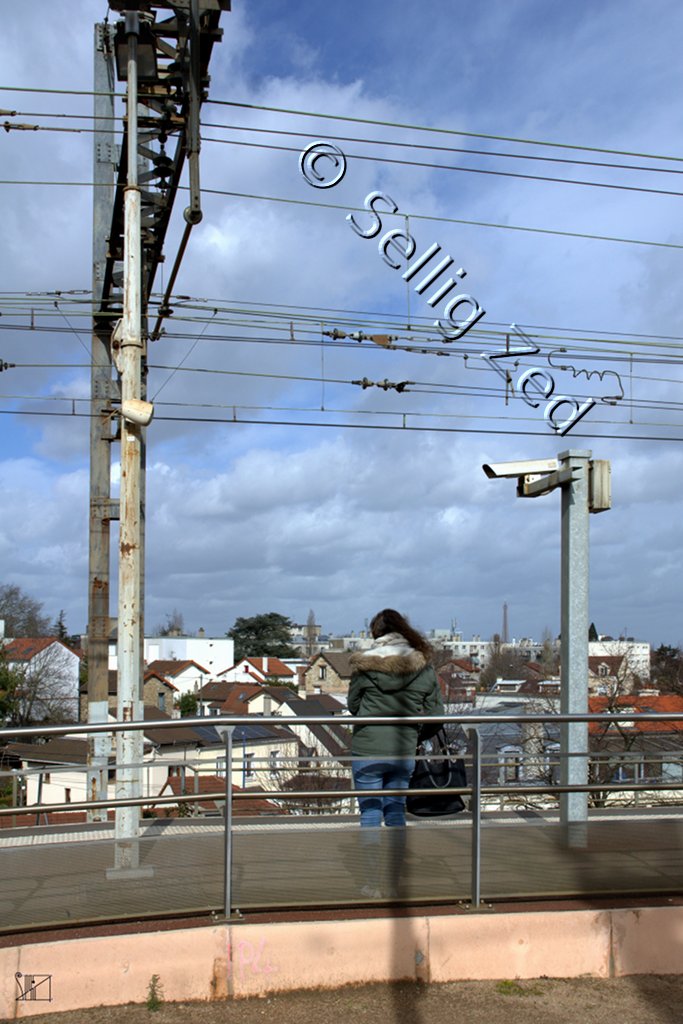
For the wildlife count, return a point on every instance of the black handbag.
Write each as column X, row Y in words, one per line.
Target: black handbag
column 437, row 775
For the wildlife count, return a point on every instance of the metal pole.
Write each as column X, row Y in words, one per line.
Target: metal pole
column 574, row 641
column 103, row 388
column 227, row 891
column 129, row 744
column 193, row 212
column 475, row 809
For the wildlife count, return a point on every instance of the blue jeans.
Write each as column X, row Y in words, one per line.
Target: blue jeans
column 393, row 773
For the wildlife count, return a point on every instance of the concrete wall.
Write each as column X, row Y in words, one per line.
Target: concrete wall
column 235, row 961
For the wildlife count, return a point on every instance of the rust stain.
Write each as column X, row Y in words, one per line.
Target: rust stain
column 127, row 549
column 219, row 979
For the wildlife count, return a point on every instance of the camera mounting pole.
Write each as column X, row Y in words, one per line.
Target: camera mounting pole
column 585, row 486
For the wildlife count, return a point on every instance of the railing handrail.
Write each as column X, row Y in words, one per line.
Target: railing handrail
column 273, row 796
column 284, row 721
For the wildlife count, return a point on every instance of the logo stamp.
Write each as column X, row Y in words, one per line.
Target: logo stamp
column 34, row 987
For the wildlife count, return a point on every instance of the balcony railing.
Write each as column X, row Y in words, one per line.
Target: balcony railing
column 444, row 852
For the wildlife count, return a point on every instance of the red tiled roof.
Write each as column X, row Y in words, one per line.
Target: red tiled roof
column 613, row 662
column 214, row 690
column 172, row 667
column 464, row 664
column 153, row 674
column 632, row 704
column 214, row 784
column 24, row 648
column 236, row 701
column 274, row 666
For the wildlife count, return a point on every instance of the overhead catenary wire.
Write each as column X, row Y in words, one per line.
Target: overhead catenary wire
column 376, row 122
column 283, row 310
column 374, row 158
column 234, row 420
column 392, row 143
column 590, row 236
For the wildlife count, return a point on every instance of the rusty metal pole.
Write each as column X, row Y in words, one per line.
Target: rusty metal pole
column 129, row 745
column 103, row 389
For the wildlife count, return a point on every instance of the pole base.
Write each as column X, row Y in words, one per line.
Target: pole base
column 128, row 874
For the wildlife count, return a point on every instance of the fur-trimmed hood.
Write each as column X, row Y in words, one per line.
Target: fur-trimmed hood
column 391, row 663
column 390, row 678
column 408, row 664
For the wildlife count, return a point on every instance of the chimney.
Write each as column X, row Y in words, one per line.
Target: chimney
column 265, row 665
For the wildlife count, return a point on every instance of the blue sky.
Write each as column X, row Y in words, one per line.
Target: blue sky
column 244, row 518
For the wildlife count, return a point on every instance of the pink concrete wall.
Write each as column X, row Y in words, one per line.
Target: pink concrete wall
column 233, row 961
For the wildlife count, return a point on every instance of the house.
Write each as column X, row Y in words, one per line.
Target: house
column 216, row 653
column 318, row 740
column 222, row 698
column 458, row 680
column 635, row 751
column 55, row 772
column 50, row 678
column 610, row 674
column 261, row 753
column 539, row 681
column 635, row 668
column 187, row 676
column 260, row 670
column 328, row 672
column 251, row 806
column 157, row 691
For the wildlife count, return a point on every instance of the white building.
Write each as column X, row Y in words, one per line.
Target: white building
column 214, row 653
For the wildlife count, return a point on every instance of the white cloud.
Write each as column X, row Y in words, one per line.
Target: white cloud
column 244, row 518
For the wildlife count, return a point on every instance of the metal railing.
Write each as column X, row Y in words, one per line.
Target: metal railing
column 225, row 725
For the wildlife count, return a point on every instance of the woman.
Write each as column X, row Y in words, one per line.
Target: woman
column 393, row 677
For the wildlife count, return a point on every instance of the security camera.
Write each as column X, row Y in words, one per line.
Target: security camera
column 134, row 410
column 495, row 470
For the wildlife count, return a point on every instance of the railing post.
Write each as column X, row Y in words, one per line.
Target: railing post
column 475, row 809
column 227, row 862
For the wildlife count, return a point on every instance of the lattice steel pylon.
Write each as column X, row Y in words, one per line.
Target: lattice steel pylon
column 180, row 35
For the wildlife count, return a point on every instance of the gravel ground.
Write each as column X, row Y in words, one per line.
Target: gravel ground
column 633, row 1000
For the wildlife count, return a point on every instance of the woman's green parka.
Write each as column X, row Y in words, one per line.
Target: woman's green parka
column 399, row 684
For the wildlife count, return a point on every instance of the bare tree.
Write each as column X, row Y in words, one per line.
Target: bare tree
column 45, row 690
column 505, row 661
column 174, row 625
column 22, row 614
column 549, row 658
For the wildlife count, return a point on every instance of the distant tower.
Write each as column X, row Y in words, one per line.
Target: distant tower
column 506, row 638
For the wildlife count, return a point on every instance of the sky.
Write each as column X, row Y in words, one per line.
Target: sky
column 274, row 483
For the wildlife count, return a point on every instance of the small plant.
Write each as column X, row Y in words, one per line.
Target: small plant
column 513, row 988
column 154, row 993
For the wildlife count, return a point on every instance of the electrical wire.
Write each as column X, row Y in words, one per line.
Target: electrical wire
column 365, row 141
column 326, row 313
column 438, row 149
column 447, row 220
column 465, row 170
column 234, row 420
column 359, row 209
column 441, row 131
column 374, row 158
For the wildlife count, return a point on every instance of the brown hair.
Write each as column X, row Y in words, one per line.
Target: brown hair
column 391, row 621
